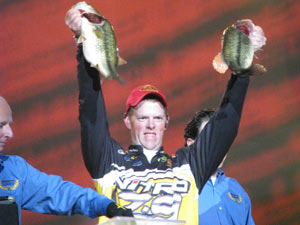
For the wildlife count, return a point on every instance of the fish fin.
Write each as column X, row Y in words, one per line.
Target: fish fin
column 219, row 63
column 257, row 70
column 121, row 61
column 122, row 81
column 254, row 70
column 81, row 39
column 117, row 77
column 96, row 66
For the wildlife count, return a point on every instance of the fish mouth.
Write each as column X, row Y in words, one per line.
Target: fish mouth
column 93, row 18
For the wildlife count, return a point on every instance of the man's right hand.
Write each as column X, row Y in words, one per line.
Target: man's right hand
column 73, row 21
column 115, row 210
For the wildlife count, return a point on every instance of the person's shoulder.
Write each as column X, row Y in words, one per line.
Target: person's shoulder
column 233, row 181
column 181, row 152
column 15, row 164
column 234, row 184
column 181, row 149
column 16, row 160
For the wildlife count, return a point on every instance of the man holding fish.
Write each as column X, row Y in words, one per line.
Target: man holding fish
column 144, row 178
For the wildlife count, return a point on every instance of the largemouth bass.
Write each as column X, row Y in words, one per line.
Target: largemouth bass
column 237, row 49
column 99, row 42
column 239, row 43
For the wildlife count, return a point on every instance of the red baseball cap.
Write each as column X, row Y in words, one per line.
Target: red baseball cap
column 139, row 93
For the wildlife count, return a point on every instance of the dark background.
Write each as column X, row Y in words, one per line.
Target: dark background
column 170, row 44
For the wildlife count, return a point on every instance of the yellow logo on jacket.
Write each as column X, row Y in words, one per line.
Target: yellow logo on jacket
column 234, row 197
column 9, row 185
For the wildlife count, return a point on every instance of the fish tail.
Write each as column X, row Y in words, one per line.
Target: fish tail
column 121, row 80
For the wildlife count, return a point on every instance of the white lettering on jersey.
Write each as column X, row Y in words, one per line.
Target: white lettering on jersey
column 158, row 197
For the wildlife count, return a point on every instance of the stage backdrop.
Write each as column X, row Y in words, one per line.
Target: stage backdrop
column 170, row 44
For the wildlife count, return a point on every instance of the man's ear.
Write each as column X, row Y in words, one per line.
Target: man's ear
column 167, row 122
column 127, row 122
column 189, row 141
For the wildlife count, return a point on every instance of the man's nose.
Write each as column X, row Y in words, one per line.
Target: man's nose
column 8, row 131
column 150, row 123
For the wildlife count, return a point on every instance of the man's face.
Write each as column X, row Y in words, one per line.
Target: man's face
column 190, row 141
column 5, row 121
column 147, row 122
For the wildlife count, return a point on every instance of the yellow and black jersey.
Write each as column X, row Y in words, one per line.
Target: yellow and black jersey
column 167, row 187
column 163, row 190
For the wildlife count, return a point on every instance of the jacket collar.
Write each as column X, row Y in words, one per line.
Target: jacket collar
column 220, row 173
column 2, row 159
column 138, row 150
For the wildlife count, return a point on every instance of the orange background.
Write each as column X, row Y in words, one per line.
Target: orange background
column 170, row 44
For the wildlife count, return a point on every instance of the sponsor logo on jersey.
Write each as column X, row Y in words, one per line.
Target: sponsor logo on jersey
column 162, row 159
column 150, row 195
column 127, row 158
column 139, row 163
column 121, row 152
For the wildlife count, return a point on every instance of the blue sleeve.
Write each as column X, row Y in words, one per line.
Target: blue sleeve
column 249, row 220
column 247, row 202
column 50, row 194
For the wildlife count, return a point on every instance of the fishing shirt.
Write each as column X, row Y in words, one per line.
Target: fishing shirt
column 167, row 187
column 39, row 192
column 224, row 203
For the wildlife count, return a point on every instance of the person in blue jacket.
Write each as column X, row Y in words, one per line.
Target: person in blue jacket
column 36, row 191
column 222, row 201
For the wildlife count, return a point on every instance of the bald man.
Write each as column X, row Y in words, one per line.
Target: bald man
column 36, row 191
column 5, row 119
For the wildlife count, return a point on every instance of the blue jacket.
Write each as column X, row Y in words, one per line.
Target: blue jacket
column 36, row 191
column 225, row 203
